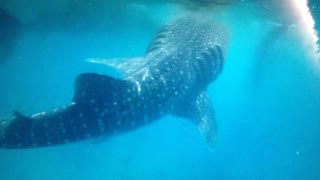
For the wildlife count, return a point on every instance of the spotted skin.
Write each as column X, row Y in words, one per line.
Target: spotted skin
column 172, row 78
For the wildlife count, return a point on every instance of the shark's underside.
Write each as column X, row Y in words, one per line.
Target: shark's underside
column 172, row 78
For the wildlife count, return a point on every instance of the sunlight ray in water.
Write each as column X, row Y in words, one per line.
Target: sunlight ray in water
column 304, row 11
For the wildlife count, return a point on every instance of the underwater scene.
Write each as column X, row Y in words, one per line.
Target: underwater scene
column 160, row 89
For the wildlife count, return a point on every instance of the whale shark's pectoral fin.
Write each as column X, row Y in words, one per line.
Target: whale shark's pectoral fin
column 202, row 114
column 126, row 66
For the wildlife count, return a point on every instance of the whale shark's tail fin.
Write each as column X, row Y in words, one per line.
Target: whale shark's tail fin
column 201, row 113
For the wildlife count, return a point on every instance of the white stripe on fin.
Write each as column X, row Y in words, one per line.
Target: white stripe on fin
column 127, row 66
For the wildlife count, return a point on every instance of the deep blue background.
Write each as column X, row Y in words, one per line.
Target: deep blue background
column 266, row 100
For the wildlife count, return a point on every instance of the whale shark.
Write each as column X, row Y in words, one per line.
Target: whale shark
column 172, row 78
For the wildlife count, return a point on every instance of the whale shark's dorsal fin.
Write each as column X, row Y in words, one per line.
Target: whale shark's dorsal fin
column 126, row 66
column 92, row 87
column 19, row 115
column 201, row 113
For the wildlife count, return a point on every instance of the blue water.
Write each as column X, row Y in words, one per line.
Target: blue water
column 266, row 100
